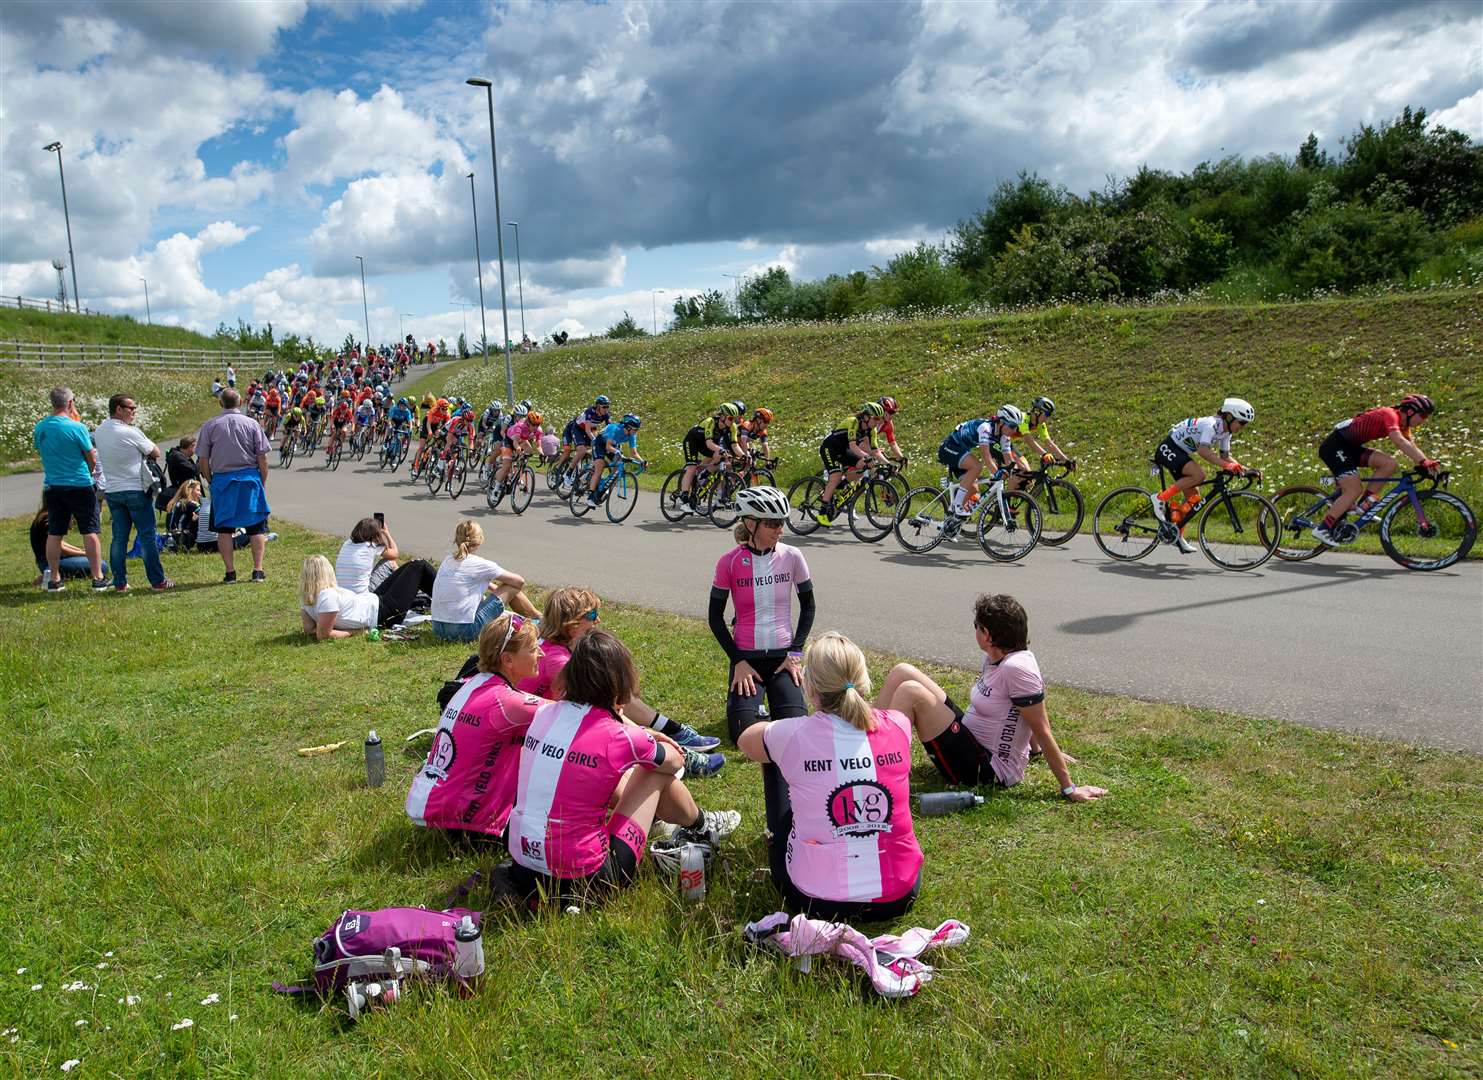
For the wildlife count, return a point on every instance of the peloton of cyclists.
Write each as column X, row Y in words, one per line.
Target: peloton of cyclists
column 1345, row 453
column 1207, row 437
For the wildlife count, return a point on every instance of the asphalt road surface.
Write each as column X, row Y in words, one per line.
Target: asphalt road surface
column 1350, row 642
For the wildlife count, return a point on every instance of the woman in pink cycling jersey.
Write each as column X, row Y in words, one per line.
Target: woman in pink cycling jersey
column 591, row 784
column 468, row 780
column 849, row 850
column 1006, row 720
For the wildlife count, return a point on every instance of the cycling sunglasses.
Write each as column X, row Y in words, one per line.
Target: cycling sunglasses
column 771, row 523
column 591, row 616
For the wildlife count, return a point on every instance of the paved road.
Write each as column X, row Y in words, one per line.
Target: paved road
column 1275, row 642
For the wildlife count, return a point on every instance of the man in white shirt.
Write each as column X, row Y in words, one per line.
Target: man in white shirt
column 122, row 450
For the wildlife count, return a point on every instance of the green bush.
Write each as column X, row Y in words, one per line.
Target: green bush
column 1344, row 245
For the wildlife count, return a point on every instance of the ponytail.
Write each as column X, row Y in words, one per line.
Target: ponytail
column 834, row 669
column 466, row 537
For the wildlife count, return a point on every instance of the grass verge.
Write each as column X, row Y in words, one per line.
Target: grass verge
column 1254, row 898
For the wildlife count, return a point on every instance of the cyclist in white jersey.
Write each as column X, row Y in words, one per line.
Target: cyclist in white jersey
column 1207, row 437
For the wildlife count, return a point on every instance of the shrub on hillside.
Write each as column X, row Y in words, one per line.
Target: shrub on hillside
column 1346, row 244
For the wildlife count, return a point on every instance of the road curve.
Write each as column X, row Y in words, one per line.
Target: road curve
column 1281, row 641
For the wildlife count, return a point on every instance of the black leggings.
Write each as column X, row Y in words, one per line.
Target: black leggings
column 399, row 591
column 784, row 700
column 834, row 910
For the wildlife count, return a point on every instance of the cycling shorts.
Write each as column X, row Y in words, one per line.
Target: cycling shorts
column 274, row 410
column 838, row 452
column 948, row 455
column 1341, row 456
column 1170, row 455
column 601, row 448
column 341, row 425
column 960, row 758
column 580, row 436
column 696, row 449
column 617, row 871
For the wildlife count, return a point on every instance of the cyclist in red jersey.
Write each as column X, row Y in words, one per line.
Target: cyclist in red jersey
column 888, row 429
column 1344, row 452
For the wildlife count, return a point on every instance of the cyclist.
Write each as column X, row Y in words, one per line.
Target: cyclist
column 292, row 424
column 888, row 429
column 257, row 401
column 400, row 417
column 1036, row 432
column 752, row 434
column 272, row 407
column 968, row 450
column 460, row 432
column 845, row 451
column 607, row 447
column 340, row 418
column 365, row 414
column 1208, row 437
column 522, row 436
column 490, row 416
column 1344, row 452
column 424, row 410
column 705, row 444
column 432, row 425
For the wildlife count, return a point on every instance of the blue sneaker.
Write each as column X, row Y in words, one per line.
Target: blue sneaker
column 701, row 765
column 691, row 739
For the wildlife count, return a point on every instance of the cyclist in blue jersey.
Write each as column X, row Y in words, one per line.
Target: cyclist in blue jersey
column 608, row 446
column 967, row 450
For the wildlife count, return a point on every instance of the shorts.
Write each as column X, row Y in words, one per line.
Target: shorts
column 949, row 456
column 838, row 453
column 1170, row 455
column 784, row 696
column 580, row 436
column 64, row 504
column 696, row 449
column 617, row 871
column 959, row 757
column 851, row 911
column 1341, row 456
column 341, row 425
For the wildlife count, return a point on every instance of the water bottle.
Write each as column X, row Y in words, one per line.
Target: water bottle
column 375, row 761
column 936, row 803
column 692, row 872
column 468, row 949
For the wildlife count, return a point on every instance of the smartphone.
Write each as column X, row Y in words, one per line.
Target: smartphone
column 380, row 518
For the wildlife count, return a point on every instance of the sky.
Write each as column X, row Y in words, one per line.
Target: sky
column 239, row 156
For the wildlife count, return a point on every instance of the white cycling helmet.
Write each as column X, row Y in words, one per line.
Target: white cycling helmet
column 762, row 502
column 1238, row 409
column 1011, row 415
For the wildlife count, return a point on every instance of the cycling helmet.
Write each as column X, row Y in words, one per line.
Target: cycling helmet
column 1238, row 409
column 467, row 413
column 631, row 420
column 496, row 406
column 765, row 415
column 889, row 404
column 741, row 406
column 1010, row 415
column 533, row 418
column 442, row 403
column 520, row 412
column 1417, row 403
column 298, row 411
column 872, row 408
column 1044, row 406
column 319, row 400
column 762, row 502
column 344, row 395
column 525, row 404
column 401, row 401
column 728, row 408
column 601, row 399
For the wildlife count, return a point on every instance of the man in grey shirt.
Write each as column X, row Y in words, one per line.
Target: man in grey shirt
column 233, row 455
column 122, row 450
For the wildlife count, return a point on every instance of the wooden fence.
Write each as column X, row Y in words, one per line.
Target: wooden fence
column 34, row 354
column 25, row 303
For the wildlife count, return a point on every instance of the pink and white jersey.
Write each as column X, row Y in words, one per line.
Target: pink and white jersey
column 468, row 779
column 761, row 588
column 852, row 835
column 521, row 430
column 554, row 656
column 993, row 714
column 570, row 763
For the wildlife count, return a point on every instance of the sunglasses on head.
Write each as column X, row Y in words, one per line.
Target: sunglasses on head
column 591, row 616
column 516, row 622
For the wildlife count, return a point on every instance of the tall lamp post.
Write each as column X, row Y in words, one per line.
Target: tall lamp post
column 519, row 278
column 67, row 217
column 479, row 266
column 147, row 317
column 654, row 309
column 500, row 234
column 736, row 290
column 364, row 309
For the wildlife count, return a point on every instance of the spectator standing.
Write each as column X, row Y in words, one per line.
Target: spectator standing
column 122, row 450
column 180, row 462
column 68, row 460
column 233, row 459
column 231, row 377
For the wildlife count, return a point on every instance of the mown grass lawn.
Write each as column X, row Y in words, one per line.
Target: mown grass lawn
column 1254, row 899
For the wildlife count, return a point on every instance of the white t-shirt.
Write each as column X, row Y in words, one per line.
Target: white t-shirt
column 121, row 449
column 353, row 611
column 354, row 564
column 459, row 587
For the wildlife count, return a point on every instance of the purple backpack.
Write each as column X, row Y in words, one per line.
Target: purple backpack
column 385, row 944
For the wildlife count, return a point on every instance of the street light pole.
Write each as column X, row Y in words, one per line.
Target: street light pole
column 736, row 290
column 519, row 278
column 500, row 234
column 147, row 317
column 364, row 309
column 67, row 217
column 479, row 265
column 654, row 309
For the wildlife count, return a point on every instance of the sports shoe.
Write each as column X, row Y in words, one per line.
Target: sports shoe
column 163, row 586
column 691, row 739
column 258, row 577
column 1322, row 534
column 825, row 516
column 592, row 501
column 1161, row 510
column 55, row 585
column 702, row 765
column 100, row 584
column 229, row 578
column 1183, row 546
column 715, row 826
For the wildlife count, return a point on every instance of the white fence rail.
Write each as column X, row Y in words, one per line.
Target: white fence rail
column 25, row 303
column 35, row 354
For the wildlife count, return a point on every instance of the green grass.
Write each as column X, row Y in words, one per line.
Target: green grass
column 27, row 325
column 1254, row 899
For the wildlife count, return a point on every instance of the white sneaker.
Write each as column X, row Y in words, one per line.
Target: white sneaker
column 715, row 826
column 1323, row 535
column 1160, row 510
column 591, row 502
column 1184, row 546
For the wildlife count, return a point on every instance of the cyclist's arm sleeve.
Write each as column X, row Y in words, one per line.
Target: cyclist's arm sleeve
column 805, row 615
column 716, row 616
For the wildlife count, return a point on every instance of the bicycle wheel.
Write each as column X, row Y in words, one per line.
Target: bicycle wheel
column 573, row 477
column 1299, row 509
column 1430, row 533
column 1008, row 539
column 286, row 454
column 1240, row 530
column 873, row 511
column 553, row 477
column 333, row 459
column 419, row 463
column 1124, row 525
column 803, row 497
column 761, row 476
column 623, row 496
column 720, row 504
column 576, row 502
column 458, row 476
column 1061, row 510
column 669, row 497
column 921, row 519
column 524, row 490
column 435, row 470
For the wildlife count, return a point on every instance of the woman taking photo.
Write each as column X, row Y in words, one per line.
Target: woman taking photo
column 328, row 611
column 469, row 591
column 847, row 850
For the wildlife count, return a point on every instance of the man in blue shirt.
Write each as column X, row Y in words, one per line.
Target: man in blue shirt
column 68, row 460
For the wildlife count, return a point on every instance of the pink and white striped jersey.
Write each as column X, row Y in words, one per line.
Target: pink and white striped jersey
column 571, row 761
column 522, row 430
column 993, row 715
column 468, row 779
column 554, row 656
column 852, row 835
column 761, row 588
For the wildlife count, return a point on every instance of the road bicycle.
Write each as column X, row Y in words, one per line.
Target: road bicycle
column 334, row 451
column 1061, row 506
column 562, row 480
column 420, row 462
column 869, row 501
column 286, row 451
column 394, row 449
column 449, row 471
column 1007, row 524
column 717, row 499
column 270, row 426
column 618, row 489
column 519, row 486
column 702, row 489
column 1238, row 528
column 1421, row 528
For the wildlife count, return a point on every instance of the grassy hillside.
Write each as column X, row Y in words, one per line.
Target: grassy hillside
column 1120, row 378
column 18, row 325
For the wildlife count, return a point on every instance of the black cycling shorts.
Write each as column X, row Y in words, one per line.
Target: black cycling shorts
column 580, row 436
column 695, row 446
column 959, row 757
column 617, row 871
column 1341, row 456
column 949, row 456
column 1170, row 455
column 838, row 452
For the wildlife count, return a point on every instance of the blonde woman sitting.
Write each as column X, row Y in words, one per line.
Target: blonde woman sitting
column 470, row 591
column 328, row 611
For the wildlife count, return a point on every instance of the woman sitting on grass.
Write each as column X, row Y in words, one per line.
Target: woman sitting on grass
column 74, row 562
column 847, row 849
column 591, row 784
column 1006, row 719
column 183, row 514
column 329, row 611
column 468, row 781
column 469, row 591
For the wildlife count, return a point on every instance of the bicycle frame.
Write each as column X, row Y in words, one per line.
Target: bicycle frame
column 1219, row 485
column 1404, row 485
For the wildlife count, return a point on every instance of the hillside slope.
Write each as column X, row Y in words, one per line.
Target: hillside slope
column 17, row 325
column 1120, row 377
